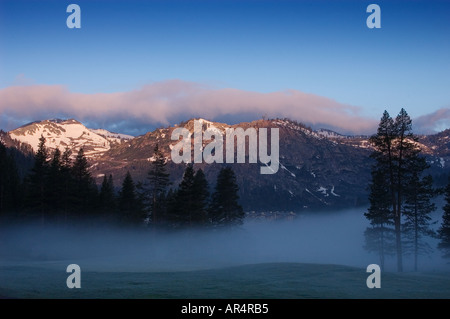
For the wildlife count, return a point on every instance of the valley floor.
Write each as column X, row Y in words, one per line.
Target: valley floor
column 252, row 281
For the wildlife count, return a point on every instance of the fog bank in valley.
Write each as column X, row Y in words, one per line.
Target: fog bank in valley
column 326, row 238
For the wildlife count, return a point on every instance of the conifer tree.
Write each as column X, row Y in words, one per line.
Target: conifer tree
column 129, row 204
column 186, row 197
column 200, row 189
column 158, row 181
column 3, row 179
column 380, row 235
column 418, row 206
column 107, row 197
column 9, row 181
column 84, row 185
column 444, row 229
column 54, row 184
column 173, row 208
column 36, row 182
column 68, row 193
column 187, row 206
column 225, row 209
column 395, row 151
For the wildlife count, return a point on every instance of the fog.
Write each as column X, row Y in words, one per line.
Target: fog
column 326, row 238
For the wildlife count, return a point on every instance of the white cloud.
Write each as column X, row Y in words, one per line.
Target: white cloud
column 169, row 102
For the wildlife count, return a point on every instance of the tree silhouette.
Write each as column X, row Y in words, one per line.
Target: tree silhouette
column 158, row 181
column 36, row 182
column 397, row 159
column 129, row 204
column 225, row 209
column 444, row 230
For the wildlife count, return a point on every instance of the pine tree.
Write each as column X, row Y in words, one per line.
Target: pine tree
column 9, row 181
column 36, row 182
column 129, row 205
column 225, row 209
column 380, row 236
column 187, row 206
column 173, row 208
column 395, row 150
column 84, row 185
column 405, row 152
column 107, row 197
column 200, row 189
column 186, row 197
column 417, row 208
column 444, row 230
column 54, row 183
column 68, row 192
column 158, row 181
column 3, row 178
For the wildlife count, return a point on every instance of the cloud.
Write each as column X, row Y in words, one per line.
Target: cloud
column 430, row 123
column 169, row 102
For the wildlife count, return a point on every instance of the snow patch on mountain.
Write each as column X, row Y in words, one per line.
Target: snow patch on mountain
column 322, row 190
column 284, row 167
column 333, row 193
column 113, row 137
column 329, row 133
column 64, row 134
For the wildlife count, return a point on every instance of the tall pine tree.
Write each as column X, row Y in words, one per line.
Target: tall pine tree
column 84, row 185
column 158, row 181
column 380, row 235
column 394, row 151
column 418, row 206
column 200, row 189
column 444, row 230
column 187, row 206
column 225, row 209
column 9, row 181
column 130, row 208
column 107, row 197
column 68, row 194
column 54, row 184
column 36, row 182
column 186, row 198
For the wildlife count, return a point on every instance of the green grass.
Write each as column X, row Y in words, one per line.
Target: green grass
column 258, row 281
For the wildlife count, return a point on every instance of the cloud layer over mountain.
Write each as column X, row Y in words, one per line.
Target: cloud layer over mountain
column 170, row 102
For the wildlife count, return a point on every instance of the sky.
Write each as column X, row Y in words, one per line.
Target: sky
column 134, row 66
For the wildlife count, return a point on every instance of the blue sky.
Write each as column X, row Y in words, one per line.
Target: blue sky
column 322, row 48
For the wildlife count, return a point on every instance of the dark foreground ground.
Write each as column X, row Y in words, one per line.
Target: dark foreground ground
column 267, row 280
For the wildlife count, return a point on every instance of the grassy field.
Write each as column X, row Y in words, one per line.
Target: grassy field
column 268, row 280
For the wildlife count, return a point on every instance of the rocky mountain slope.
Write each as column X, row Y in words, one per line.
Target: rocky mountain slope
column 317, row 169
column 67, row 134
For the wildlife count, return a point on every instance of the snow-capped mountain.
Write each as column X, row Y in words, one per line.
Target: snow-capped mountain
column 317, row 169
column 70, row 134
column 314, row 171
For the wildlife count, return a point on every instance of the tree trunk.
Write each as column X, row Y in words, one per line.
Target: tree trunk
column 416, row 239
column 398, row 220
column 398, row 238
column 382, row 248
column 396, row 204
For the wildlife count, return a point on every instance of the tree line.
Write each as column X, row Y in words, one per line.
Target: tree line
column 190, row 204
column 59, row 188
column 401, row 195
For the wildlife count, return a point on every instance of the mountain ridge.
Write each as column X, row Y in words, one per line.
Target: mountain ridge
column 317, row 170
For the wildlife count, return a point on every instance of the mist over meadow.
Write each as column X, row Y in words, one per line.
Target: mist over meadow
column 325, row 238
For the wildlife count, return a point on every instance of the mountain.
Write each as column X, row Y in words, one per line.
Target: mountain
column 64, row 134
column 317, row 169
column 315, row 172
